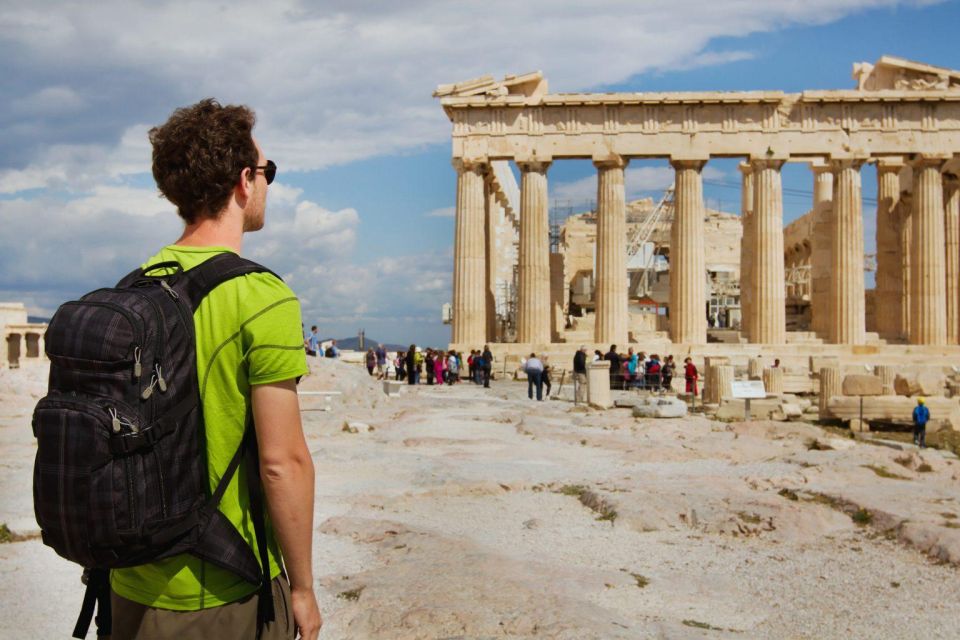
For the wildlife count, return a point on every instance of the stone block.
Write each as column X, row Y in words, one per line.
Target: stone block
column 859, row 426
column 927, row 383
column 660, row 408
column 862, row 384
column 392, row 387
column 791, row 411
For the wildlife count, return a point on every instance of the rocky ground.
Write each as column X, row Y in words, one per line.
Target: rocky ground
column 459, row 512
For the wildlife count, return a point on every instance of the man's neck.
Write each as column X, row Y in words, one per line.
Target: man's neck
column 224, row 231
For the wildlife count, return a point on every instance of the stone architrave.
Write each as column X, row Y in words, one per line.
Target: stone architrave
column 746, row 247
column 822, row 251
column 611, row 277
column 951, row 212
column 469, row 262
column 767, row 311
column 928, row 318
column 688, row 322
column 533, row 295
column 889, row 278
column 847, row 311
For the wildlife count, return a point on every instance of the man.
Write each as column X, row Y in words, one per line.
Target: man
column 487, row 365
column 580, row 375
column 207, row 163
column 533, row 367
column 921, row 416
column 313, row 342
column 381, row 362
column 614, row 358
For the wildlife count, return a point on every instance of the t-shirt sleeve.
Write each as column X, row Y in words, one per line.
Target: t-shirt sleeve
column 272, row 339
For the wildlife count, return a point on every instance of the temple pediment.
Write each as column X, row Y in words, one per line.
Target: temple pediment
column 892, row 73
column 528, row 84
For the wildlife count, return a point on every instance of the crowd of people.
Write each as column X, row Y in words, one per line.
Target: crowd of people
column 637, row 370
column 437, row 366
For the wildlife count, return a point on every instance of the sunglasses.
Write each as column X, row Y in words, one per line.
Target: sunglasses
column 269, row 170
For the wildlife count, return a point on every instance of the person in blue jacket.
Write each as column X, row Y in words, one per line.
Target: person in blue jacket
column 921, row 415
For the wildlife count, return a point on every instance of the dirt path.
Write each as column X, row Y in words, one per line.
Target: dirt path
column 469, row 513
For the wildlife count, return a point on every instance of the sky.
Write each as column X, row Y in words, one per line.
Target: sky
column 360, row 220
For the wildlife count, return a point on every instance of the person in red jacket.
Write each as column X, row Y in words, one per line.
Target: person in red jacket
column 691, row 375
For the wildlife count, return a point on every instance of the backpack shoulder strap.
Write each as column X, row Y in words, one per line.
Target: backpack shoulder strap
column 197, row 282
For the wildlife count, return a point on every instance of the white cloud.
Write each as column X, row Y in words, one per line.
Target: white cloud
column 336, row 83
column 443, row 212
column 50, row 101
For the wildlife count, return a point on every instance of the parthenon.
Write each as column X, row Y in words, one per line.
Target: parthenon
column 902, row 116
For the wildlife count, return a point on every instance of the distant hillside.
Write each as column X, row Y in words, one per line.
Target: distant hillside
column 353, row 344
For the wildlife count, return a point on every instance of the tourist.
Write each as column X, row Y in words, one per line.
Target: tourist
column 371, row 359
column 667, row 372
column 428, row 363
column 412, row 364
column 439, row 366
column 332, row 351
column 477, row 367
column 614, row 358
column 921, row 415
column 533, row 367
column 453, row 368
column 690, row 374
column 631, row 367
column 470, row 366
column 597, row 355
column 545, row 376
column 313, row 342
column 776, row 363
column 400, row 364
column 652, row 372
column 208, row 164
column 580, row 375
column 381, row 362
column 487, row 366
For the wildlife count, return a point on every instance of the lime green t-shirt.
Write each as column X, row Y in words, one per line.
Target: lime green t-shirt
column 248, row 332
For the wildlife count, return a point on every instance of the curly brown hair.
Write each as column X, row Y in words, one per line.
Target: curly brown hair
column 198, row 155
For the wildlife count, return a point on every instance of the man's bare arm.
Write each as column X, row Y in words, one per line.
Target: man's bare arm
column 286, row 469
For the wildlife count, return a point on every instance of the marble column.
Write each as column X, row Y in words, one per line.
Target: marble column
column 494, row 217
column 830, row 386
column 533, row 295
column 746, row 247
column 610, row 289
column 768, row 312
column 888, row 292
column 688, row 321
column 847, row 308
column 927, row 267
column 822, row 250
column 905, row 216
column 469, row 271
column 951, row 213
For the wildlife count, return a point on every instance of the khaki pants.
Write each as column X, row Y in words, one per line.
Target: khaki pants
column 580, row 387
column 134, row 621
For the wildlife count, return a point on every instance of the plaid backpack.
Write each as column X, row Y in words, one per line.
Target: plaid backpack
column 120, row 477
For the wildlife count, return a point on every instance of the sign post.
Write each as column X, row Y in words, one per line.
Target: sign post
column 747, row 389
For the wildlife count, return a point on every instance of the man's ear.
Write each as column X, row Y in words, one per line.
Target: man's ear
column 244, row 186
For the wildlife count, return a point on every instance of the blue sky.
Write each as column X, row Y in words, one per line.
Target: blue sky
column 358, row 219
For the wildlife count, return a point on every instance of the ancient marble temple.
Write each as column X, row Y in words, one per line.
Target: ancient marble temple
column 902, row 116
